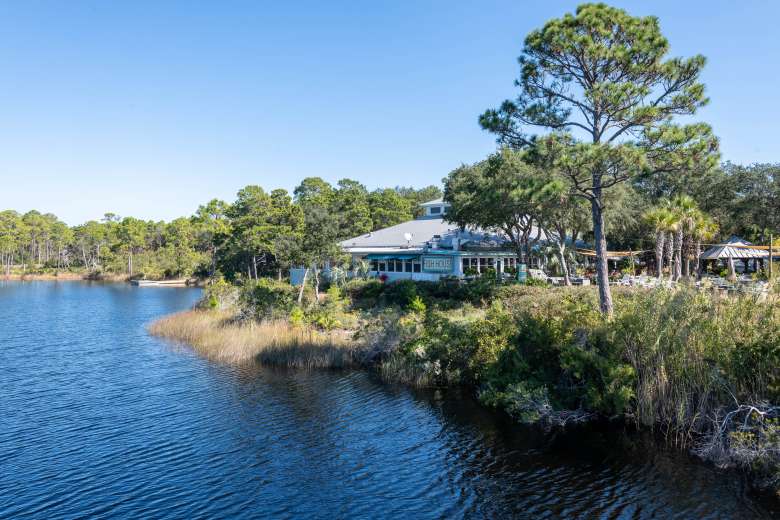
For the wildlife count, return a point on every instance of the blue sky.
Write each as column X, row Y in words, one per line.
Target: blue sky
column 151, row 108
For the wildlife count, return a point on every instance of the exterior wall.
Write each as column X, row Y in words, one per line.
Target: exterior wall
column 296, row 276
column 437, row 263
column 422, row 277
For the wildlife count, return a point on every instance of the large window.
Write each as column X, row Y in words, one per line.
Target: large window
column 396, row 266
column 435, row 210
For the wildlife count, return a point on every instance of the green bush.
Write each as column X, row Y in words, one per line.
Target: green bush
column 219, row 295
column 265, row 299
column 333, row 313
column 536, row 282
column 297, row 316
column 670, row 358
column 364, row 293
column 400, row 293
column 417, row 305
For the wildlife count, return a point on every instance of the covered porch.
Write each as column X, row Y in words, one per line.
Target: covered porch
column 737, row 255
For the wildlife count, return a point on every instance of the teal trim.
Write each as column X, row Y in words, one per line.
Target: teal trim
column 464, row 252
column 391, row 257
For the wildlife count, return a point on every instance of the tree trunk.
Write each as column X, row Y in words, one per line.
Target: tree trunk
column 316, row 284
column 602, row 269
column 670, row 254
column 213, row 267
column 660, row 238
column 303, row 286
column 130, row 263
column 678, row 239
column 697, row 252
column 564, row 265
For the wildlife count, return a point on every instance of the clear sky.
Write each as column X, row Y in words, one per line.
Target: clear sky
column 150, row 108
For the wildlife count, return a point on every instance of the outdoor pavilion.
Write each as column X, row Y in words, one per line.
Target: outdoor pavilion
column 733, row 249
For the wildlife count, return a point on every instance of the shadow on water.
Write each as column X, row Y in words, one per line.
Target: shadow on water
column 100, row 419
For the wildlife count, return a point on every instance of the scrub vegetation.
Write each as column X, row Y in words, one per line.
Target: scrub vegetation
column 700, row 368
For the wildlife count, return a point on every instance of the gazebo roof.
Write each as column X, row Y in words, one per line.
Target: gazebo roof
column 734, row 247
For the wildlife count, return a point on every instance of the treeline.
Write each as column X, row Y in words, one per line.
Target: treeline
column 674, row 214
column 263, row 233
column 260, row 233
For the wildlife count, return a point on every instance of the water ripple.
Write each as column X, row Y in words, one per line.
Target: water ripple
column 99, row 420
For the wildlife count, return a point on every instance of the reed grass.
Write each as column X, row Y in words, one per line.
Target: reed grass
column 217, row 336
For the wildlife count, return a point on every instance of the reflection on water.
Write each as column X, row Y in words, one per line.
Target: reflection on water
column 99, row 419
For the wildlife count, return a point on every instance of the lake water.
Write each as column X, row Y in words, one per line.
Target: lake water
column 100, row 420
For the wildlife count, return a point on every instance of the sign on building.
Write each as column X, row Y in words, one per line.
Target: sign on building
column 437, row 264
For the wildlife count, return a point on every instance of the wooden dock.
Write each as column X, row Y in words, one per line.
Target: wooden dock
column 160, row 283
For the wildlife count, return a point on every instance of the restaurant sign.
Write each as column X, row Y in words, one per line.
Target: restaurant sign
column 437, row 264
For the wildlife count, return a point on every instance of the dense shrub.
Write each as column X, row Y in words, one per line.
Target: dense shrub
column 364, row 293
column 333, row 313
column 265, row 299
column 667, row 358
column 218, row 295
column 400, row 293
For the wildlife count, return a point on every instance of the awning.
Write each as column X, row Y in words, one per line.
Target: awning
column 391, row 257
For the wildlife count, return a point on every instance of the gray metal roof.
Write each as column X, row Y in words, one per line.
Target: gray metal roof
column 727, row 250
column 422, row 231
column 435, row 202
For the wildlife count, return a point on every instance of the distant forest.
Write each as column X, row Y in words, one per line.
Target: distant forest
column 260, row 233
column 263, row 233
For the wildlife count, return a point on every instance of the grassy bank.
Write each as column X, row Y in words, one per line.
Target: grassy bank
column 700, row 368
column 62, row 275
column 217, row 335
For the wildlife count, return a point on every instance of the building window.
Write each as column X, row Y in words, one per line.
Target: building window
column 391, row 266
column 416, row 267
column 408, row 266
column 435, row 210
column 382, row 266
column 374, row 265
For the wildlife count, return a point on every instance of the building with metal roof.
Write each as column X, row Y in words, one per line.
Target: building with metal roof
column 733, row 249
column 429, row 248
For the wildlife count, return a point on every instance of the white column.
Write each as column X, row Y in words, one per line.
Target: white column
column 457, row 269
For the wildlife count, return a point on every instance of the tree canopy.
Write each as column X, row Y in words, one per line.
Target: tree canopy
column 601, row 83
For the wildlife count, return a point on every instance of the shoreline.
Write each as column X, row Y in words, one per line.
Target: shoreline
column 77, row 277
column 61, row 276
column 218, row 336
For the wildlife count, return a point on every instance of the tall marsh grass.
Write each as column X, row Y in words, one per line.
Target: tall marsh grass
column 217, row 336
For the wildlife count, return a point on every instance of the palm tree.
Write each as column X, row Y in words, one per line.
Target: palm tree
column 662, row 220
column 686, row 211
column 705, row 229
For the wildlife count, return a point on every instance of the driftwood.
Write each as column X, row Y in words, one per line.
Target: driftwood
column 747, row 436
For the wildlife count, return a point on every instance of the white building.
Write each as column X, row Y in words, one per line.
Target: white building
column 429, row 248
